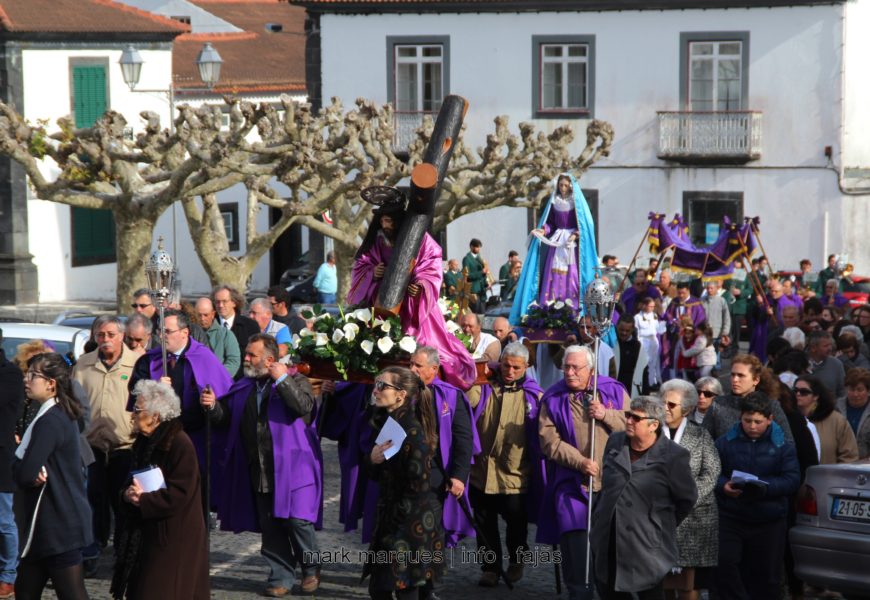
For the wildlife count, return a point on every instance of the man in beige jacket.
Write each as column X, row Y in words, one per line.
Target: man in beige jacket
column 104, row 374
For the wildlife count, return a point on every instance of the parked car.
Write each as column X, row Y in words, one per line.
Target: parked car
column 302, row 291
column 831, row 541
column 65, row 340
column 79, row 320
column 299, row 270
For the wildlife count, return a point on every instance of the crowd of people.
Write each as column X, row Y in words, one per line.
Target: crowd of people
column 641, row 457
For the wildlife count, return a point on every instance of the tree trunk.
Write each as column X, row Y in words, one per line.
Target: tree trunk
column 134, row 233
column 344, row 254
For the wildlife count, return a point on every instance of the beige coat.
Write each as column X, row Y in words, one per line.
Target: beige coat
column 837, row 440
column 107, row 391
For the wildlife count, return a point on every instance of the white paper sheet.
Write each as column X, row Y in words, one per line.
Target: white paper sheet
column 391, row 431
column 150, row 480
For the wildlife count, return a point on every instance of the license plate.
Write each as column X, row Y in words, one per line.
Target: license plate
column 848, row 509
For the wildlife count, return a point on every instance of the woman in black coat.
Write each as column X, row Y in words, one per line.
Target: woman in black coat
column 407, row 548
column 51, row 505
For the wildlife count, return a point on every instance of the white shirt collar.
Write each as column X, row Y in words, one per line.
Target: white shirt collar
column 25, row 441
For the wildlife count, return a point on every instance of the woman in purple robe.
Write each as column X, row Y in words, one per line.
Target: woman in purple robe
column 560, row 276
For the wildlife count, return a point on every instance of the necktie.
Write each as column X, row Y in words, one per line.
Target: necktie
column 171, row 361
column 227, row 324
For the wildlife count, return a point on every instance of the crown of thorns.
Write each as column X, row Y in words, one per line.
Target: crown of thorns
column 383, row 196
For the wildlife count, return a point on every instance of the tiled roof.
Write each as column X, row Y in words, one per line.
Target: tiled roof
column 255, row 61
column 82, row 17
column 373, row 6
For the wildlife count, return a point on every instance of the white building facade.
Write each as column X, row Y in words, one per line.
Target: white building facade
column 757, row 109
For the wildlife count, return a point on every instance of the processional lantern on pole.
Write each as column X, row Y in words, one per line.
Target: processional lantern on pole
column 598, row 303
column 160, row 274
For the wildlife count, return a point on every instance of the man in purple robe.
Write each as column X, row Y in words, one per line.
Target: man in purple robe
column 761, row 310
column 272, row 477
column 568, row 412
column 420, row 315
column 639, row 290
column 832, row 295
column 191, row 366
column 684, row 304
column 507, row 477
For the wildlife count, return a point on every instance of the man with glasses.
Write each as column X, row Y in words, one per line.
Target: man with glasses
column 568, row 412
column 143, row 305
column 104, row 375
column 190, row 367
column 280, row 301
column 229, row 304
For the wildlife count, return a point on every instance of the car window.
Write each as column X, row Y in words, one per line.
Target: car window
column 10, row 346
column 861, row 287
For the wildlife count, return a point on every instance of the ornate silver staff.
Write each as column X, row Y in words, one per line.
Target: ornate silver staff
column 598, row 305
column 160, row 274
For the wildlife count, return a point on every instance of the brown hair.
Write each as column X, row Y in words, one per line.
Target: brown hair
column 28, row 350
column 767, row 383
column 54, row 366
column 421, row 400
column 855, row 377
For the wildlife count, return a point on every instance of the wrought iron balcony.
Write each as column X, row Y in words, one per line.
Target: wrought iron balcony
column 405, row 126
column 710, row 137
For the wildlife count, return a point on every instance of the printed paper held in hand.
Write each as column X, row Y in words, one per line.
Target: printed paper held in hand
column 742, row 478
column 393, row 432
column 150, row 479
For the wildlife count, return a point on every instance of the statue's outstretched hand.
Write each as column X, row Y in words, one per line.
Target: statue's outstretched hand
column 413, row 290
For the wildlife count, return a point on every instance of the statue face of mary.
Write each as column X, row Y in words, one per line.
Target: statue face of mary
column 564, row 186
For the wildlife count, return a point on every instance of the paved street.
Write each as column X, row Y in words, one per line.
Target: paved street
column 238, row 571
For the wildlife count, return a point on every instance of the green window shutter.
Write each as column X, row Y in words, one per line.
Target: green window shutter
column 93, row 231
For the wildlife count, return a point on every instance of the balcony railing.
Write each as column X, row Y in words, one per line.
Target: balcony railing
column 710, row 137
column 405, row 126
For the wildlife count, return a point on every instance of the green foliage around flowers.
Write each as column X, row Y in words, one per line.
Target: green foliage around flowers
column 354, row 341
column 552, row 315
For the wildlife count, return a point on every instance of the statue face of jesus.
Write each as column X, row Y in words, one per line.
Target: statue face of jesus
column 388, row 226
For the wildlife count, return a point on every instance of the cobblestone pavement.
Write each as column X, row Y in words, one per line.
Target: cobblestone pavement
column 238, row 571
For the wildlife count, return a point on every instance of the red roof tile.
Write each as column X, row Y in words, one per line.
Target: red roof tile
column 82, row 16
column 256, row 61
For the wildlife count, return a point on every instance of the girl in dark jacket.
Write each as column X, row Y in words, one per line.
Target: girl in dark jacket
column 407, row 548
column 52, row 506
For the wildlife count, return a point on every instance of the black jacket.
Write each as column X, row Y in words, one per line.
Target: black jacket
column 243, row 328
column 11, row 400
column 64, row 519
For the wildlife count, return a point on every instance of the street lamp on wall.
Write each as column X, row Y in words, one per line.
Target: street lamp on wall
column 209, row 63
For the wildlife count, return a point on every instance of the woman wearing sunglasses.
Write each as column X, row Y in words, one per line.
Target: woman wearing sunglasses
column 835, row 440
column 48, row 472
column 708, row 388
column 647, row 489
column 408, row 529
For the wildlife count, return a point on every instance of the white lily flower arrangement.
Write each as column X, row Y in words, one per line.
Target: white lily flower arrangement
column 353, row 341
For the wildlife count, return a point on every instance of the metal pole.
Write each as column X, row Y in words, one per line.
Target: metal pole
column 591, row 457
column 163, row 338
column 633, row 258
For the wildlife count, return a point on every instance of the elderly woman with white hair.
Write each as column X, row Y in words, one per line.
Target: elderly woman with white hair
column 647, row 490
column 708, row 389
column 698, row 535
column 163, row 551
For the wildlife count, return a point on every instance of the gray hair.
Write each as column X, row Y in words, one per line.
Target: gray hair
column 158, row 399
column 710, row 383
column 263, row 303
column 585, row 350
column 687, row 392
column 854, row 330
column 139, row 320
column 106, row 319
column 431, row 354
column 652, row 406
column 817, row 337
column 517, row 350
column 796, row 338
column 141, row 292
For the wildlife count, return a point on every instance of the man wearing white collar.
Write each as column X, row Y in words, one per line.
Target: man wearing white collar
column 229, row 304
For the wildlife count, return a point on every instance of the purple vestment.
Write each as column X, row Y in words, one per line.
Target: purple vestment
column 532, row 394
column 298, row 463
column 759, row 322
column 560, row 277
column 204, row 369
column 565, row 502
column 421, row 317
column 837, row 300
column 630, row 296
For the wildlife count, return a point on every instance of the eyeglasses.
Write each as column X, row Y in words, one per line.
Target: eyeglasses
column 636, row 418
column 802, row 391
column 706, row 393
column 137, row 410
column 380, row 385
column 31, row 375
column 574, row 368
column 672, row 405
column 136, row 305
column 171, row 331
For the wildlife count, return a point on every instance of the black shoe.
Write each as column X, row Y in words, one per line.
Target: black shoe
column 90, row 567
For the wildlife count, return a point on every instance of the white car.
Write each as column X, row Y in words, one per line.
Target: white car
column 64, row 339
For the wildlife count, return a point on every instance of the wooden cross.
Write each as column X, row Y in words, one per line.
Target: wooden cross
column 463, row 292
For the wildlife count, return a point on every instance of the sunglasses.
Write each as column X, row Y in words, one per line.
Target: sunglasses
column 636, row 418
column 137, row 305
column 706, row 393
column 802, row 391
column 381, row 385
column 672, row 405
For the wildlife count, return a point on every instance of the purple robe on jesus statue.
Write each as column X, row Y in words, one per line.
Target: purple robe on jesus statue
column 421, row 317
